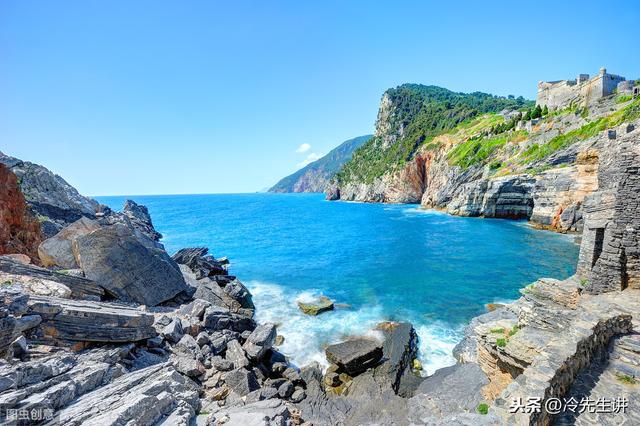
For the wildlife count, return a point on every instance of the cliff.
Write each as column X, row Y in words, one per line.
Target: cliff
column 486, row 164
column 19, row 231
column 316, row 176
column 55, row 202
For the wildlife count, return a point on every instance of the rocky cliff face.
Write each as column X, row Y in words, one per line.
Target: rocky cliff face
column 55, row 202
column 540, row 170
column 19, row 231
column 317, row 176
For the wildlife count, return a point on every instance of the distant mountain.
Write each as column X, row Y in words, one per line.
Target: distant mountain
column 315, row 176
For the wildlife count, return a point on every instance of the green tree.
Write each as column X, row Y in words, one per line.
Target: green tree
column 545, row 110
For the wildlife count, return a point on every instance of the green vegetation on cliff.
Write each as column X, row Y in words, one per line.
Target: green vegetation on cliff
column 410, row 116
column 539, row 152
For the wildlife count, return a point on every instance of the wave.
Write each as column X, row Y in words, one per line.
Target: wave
column 307, row 336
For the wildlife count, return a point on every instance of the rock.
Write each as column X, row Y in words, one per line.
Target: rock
column 332, row 379
column 202, row 339
column 89, row 321
column 173, row 331
column 355, row 356
column 188, row 345
column 319, row 306
column 260, row 341
column 236, row 354
column 232, row 295
column 19, row 347
column 19, row 230
column 298, row 395
column 20, row 258
column 201, row 264
column 187, row 365
column 285, row 390
column 57, row 250
column 241, row 381
column 292, row 374
column 195, row 309
column 141, row 219
column 45, row 282
column 269, row 412
column 126, row 267
column 279, row 340
column 27, row 322
column 221, row 364
column 218, row 318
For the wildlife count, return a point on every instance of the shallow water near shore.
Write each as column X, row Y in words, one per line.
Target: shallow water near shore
column 380, row 262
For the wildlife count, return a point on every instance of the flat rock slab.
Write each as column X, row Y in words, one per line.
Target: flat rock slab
column 81, row 288
column 323, row 304
column 90, row 321
column 355, row 356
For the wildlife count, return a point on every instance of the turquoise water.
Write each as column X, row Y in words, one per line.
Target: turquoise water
column 386, row 262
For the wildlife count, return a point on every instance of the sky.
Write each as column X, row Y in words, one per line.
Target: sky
column 166, row 97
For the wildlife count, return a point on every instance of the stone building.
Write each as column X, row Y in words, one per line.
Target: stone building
column 582, row 90
column 610, row 251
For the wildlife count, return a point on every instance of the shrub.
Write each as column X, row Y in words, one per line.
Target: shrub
column 627, row 380
column 502, row 342
column 482, row 408
column 499, row 330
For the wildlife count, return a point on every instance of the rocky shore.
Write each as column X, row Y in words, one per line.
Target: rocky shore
column 100, row 325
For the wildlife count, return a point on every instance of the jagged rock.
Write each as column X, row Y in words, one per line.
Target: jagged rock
column 298, row 395
column 316, row 307
column 19, row 347
column 89, row 321
column 202, row 339
column 355, row 356
column 141, row 219
column 45, row 282
column 241, row 381
column 232, row 295
column 132, row 271
column 219, row 318
column 48, row 194
column 286, row 389
column 57, row 250
column 195, row 309
column 260, row 341
column 236, row 354
column 27, row 322
column 187, row 365
column 19, row 230
column 173, row 331
column 201, row 264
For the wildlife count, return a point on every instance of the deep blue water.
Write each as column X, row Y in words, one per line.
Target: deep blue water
column 384, row 261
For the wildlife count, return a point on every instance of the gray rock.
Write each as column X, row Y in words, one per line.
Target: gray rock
column 221, row 364
column 126, row 267
column 173, row 332
column 202, row 339
column 218, row 318
column 241, row 381
column 260, row 341
column 270, row 412
column 298, row 395
column 201, row 264
column 195, row 309
column 82, row 320
column 236, row 354
column 355, row 356
column 285, row 390
column 187, row 365
column 141, row 219
column 57, row 250
column 81, row 288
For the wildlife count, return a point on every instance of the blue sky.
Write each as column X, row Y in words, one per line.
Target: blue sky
column 165, row 97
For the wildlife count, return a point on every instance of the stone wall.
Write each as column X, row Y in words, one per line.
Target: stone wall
column 610, row 254
column 561, row 94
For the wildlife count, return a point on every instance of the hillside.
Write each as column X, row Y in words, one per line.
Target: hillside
column 464, row 157
column 315, row 176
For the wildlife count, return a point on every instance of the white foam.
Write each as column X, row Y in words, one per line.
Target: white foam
column 307, row 336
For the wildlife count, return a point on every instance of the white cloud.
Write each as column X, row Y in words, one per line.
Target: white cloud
column 310, row 159
column 303, row 148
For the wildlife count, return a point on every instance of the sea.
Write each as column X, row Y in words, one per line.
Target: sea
column 378, row 262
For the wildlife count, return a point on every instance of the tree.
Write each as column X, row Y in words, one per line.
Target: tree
column 545, row 110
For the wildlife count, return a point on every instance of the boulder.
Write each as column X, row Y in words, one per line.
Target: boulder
column 355, row 356
column 236, row 354
column 127, row 267
column 316, row 307
column 218, row 318
column 57, row 250
column 260, row 341
column 173, row 331
column 258, row 413
column 89, row 321
column 242, row 381
column 232, row 295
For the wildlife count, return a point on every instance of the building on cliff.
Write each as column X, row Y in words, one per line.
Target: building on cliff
column 582, row 90
column 610, row 252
